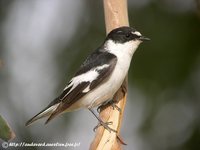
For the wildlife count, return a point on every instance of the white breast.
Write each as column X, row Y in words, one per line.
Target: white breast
column 106, row 91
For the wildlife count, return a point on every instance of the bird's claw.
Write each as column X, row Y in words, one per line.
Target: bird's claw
column 105, row 125
column 111, row 103
column 95, row 128
column 114, row 106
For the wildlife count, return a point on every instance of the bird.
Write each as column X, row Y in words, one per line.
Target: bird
column 98, row 78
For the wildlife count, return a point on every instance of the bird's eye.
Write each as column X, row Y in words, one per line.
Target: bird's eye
column 128, row 35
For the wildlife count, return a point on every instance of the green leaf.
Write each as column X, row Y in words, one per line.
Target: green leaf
column 6, row 132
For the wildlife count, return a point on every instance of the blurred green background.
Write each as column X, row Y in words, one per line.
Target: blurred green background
column 43, row 42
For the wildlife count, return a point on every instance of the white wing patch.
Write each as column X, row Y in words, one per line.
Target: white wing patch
column 88, row 76
column 87, row 89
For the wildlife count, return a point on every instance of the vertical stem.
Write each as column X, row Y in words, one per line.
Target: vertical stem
column 116, row 15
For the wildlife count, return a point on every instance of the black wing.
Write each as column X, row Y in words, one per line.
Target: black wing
column 73, row 92
column 96, row 60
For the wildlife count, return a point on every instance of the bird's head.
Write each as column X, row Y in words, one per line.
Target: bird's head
column 126, row 34
column 124, row 38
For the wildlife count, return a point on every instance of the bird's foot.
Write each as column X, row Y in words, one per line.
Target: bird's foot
column 102, row 123
column 106, row 126
column 107, row 104
column 114, row 106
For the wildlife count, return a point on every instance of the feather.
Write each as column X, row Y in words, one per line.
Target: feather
column 45, row 112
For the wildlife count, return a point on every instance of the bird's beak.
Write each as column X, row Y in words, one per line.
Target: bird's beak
column 143, row 38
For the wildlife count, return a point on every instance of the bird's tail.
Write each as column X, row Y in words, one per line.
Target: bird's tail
column 44, row 113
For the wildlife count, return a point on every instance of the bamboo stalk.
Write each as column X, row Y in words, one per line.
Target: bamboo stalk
column 116, row 15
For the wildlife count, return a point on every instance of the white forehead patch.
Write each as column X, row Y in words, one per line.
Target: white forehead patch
column 119, row 31
column 137, row 33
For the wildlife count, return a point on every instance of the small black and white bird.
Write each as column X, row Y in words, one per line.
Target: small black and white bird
column 99, row 77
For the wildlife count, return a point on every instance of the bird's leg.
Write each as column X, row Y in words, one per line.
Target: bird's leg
column 102, row 123
column 107, row 104
column 116, row 99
